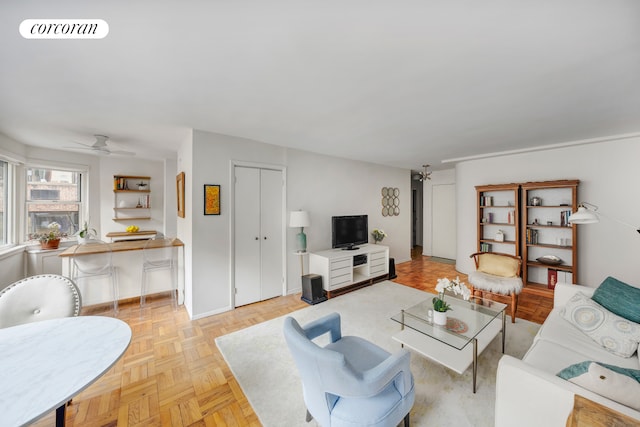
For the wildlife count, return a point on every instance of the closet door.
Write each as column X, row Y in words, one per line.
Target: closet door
column 258, row 234
column 247, row 235
column 271, row 232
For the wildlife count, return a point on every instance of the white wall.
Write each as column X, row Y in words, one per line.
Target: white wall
column 323, row 185
column 112, row 165
column 185, row 225
column 609, row 177
column 329, row 186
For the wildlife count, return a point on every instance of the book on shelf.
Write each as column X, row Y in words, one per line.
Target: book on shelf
column 485, row 247
column 552, row 278
column 532, row 236
column 564, row 218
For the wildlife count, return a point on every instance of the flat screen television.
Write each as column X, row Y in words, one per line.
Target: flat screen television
column 349, row 231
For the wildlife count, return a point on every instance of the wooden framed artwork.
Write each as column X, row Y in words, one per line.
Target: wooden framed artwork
column 180, row 193
column 211, row 199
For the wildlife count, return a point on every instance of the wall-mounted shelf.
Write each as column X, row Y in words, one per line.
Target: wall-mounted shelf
column 131, row 197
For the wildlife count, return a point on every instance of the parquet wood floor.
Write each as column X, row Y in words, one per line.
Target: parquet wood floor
column 173, row 374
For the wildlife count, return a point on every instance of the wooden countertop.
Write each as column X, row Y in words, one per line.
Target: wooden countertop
column 126, row 245
column 128, row 234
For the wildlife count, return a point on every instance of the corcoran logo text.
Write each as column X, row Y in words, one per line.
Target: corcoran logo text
column 64, row 29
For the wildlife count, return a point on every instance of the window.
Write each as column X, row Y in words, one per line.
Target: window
column 4, row 202
column 53, row 196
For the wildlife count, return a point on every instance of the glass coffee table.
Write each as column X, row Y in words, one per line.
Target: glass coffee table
column 471, row 326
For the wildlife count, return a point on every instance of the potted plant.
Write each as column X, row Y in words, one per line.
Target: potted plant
column 378, row 235
column 50, row 239
column 86, row 233
column 440, row 306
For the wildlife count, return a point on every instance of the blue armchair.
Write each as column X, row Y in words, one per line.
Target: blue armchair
column 349, row 382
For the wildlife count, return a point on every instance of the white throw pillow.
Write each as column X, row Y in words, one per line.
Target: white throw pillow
column 616, row 334
column 622, row 387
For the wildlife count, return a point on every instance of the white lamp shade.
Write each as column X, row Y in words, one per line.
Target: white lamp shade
column 299, row 219
column 583, row 216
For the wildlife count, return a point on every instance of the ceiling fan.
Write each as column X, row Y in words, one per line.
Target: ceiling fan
column 422, row 176
column 100, row 147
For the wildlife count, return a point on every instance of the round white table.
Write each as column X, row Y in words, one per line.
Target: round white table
column 44, row 364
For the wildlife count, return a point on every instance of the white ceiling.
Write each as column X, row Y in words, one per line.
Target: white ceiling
column 401, row 83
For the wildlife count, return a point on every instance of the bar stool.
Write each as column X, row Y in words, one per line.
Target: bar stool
column 92, row 260
column 159, row 254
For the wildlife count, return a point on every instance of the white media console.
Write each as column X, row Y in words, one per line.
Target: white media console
column 341, row 268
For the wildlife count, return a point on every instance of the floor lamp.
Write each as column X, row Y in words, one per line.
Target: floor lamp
column 587, row 214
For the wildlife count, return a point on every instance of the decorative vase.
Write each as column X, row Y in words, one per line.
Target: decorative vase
column 50, row 244
column 440, row 317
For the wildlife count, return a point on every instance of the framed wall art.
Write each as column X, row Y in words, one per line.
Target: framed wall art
column 180, row 193
column 211, row 199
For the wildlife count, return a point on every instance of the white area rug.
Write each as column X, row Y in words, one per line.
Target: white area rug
column 260, row 360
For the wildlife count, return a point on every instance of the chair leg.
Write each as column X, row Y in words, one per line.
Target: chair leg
column 406, row 420
column 143, row 289
column 514, row 306
column 308, row 417
column 114, row 281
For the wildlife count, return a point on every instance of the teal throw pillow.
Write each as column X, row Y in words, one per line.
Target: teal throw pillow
column 613, row 382
column 619, row 298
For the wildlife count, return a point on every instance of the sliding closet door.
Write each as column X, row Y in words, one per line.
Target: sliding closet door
column 258, row 234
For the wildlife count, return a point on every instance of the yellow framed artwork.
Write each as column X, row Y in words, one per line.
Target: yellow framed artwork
column 211, row 199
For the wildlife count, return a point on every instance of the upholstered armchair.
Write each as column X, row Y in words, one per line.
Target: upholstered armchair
column 350, row 381
column 497, row 273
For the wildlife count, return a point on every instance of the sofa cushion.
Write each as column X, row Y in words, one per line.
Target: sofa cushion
column 613, row 382
column 619, row 298
column 616, row 334
column 563, row 334
column 498, row 265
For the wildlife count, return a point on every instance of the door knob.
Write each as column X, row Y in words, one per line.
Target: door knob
column 265, row 238
column 257, row 238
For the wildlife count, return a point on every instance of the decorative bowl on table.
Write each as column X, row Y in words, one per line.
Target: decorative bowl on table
column 549, row 260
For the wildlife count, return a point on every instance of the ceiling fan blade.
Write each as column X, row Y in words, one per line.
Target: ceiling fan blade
column 122, row 152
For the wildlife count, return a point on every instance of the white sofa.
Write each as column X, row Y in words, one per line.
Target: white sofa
column 528, row 391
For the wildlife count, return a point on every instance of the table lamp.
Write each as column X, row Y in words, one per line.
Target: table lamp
column 300, row 219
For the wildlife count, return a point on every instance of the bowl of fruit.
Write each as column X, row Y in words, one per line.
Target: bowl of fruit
column 133, row 229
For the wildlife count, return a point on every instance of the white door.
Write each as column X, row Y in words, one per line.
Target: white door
column 271, row 233
column 258, row 234
column 444, row 221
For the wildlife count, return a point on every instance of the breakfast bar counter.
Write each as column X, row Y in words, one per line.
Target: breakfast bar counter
column 126, row 245
column 127, row 258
